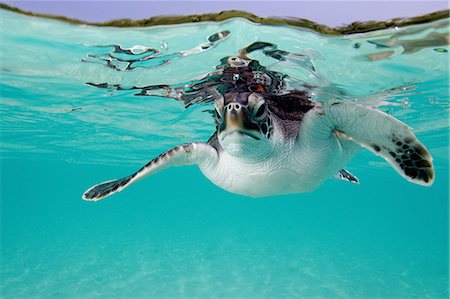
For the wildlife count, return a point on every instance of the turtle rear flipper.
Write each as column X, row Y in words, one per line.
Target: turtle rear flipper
column 187, row 154
column 346, row 175
column 385, row 136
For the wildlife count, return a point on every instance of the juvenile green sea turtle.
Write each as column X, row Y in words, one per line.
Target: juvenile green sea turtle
column 270, row 141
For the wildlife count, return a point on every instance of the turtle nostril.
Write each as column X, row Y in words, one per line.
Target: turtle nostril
column 233, row 107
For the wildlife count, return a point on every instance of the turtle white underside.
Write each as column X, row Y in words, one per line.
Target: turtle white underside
column 329, row 136
column 290, row 169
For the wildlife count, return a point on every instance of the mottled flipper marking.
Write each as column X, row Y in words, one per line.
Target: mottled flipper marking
column 385, row 136
column 413, row 158
column 345, row 175
column 190, row 153
column 101, row 190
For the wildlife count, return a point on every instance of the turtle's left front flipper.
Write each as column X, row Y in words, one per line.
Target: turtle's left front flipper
column 187, row 154
column 383, row 135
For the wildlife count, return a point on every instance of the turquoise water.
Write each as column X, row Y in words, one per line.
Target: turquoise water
column 176, row 234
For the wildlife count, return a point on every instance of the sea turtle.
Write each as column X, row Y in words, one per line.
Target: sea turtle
column 271, row 141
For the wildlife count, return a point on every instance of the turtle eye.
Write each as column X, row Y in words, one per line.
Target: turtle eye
column 259, row 106
column 260, row 110
column 218, row 105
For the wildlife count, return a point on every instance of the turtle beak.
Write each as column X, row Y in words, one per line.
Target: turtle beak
column 236, row 120
column 234, row 117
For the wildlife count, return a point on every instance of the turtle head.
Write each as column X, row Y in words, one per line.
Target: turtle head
column 243, row 122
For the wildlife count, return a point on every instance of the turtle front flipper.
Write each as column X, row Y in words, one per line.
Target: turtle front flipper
column 186, row 154
column 383, row 135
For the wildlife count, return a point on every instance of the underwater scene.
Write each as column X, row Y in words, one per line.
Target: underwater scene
column 81, row 105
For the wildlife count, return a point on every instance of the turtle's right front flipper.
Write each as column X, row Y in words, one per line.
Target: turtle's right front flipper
column 187, row 154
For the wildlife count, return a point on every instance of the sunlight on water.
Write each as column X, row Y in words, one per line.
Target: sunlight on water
column 80, row 104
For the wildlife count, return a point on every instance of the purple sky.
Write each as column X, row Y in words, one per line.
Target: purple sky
column 329, row 12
